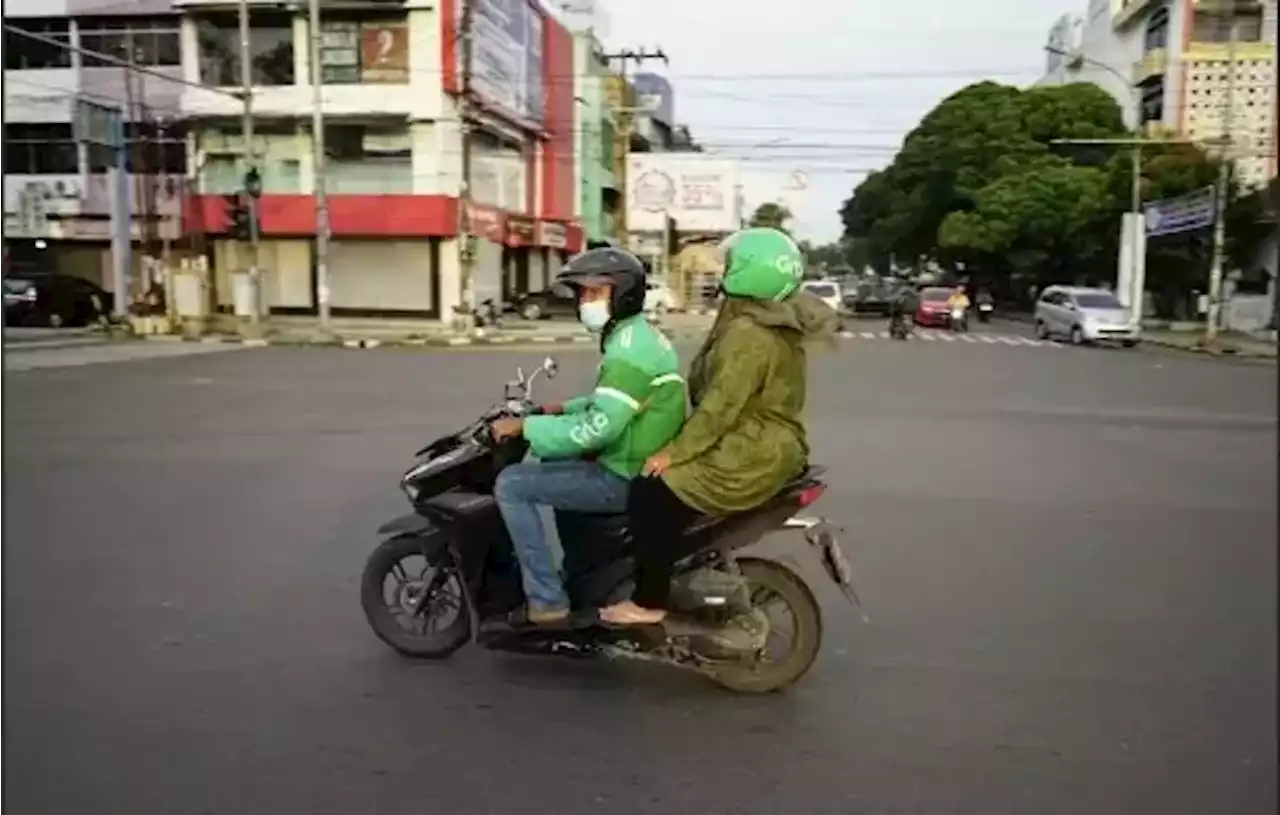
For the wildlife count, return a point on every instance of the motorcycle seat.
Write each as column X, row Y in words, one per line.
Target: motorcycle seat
column 810, row 477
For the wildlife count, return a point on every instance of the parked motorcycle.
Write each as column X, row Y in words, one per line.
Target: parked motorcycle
column 446, row 566
column 984, row 312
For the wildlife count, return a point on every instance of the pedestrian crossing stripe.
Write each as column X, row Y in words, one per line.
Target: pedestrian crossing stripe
column 950, row 336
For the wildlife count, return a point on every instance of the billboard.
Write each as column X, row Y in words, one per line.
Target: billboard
column 654, row 93
column 506, row 56
column 699, row 191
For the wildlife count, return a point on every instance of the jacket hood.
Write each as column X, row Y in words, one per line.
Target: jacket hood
column 802, row 313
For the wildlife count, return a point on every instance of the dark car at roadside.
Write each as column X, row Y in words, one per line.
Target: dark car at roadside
column 550, row 302
column 51, row 299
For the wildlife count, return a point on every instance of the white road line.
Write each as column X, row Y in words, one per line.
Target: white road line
column 1008, row 340
column 927, row 337
column 846, row 334
column 884, row 335
column 988, row 339
column 968, row 339
column 868, row 335
column 1032, row 343
column 947, row 337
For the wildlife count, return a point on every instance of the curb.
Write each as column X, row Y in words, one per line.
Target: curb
column 1228, row 351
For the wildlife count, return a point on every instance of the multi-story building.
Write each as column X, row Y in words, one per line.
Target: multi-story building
column 1166, row 63
column 598, row 193
column 392, row 87
column 393, row 101
column 57, row 199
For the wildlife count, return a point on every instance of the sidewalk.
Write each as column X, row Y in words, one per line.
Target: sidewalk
column 375, row 333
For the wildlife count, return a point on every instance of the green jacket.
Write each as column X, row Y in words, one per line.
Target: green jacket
column 746, row 438
column 637, row 406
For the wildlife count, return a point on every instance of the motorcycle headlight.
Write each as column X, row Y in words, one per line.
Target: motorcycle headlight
column 410, row 490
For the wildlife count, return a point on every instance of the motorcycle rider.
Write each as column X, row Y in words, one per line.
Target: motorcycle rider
column 958, row 301
column 746, row 437
column 903, row 307
column 592, row 446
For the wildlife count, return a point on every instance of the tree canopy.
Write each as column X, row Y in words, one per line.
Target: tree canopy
column 984, row 184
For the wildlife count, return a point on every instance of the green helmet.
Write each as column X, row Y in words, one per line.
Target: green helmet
column 761, row 263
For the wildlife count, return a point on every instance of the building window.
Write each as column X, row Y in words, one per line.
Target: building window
column 1214, row 26
column 39, row 149
column 24, row 53
column 1153, row 100
column 270, row 48
column 145, row 40
column 1157, row 35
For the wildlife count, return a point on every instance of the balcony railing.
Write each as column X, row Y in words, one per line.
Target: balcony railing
column 1154, row 63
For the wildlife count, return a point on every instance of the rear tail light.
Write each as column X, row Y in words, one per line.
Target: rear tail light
column 29, row 295
column 810, row 494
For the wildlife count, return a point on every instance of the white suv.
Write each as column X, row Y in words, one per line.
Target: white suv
column 1085, row 316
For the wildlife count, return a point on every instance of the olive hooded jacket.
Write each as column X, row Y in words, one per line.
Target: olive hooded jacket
column 746, row 437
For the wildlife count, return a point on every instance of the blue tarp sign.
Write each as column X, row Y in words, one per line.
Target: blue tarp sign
column 1173, row 215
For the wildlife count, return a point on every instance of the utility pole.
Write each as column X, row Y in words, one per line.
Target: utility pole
column 466, row 250
column 318, row 174
column 628, row 114
column 1223, row 192
column 246, row 81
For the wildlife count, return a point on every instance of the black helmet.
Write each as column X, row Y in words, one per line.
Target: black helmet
column 613, row 265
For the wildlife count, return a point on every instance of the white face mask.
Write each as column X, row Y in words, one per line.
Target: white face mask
column 594, row 315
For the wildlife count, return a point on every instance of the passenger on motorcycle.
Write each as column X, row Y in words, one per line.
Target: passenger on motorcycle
column 746, row 438
column 592, row 446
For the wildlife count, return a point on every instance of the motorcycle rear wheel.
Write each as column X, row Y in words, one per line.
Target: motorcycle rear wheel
column 775, row 675
column 383, row 563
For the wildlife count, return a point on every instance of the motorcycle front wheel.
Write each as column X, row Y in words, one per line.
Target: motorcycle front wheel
column 414, row 602
column 774, row 586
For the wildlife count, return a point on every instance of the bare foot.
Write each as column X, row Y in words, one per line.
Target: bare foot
column 628, row 613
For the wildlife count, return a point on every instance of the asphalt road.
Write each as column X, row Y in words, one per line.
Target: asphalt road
column 1069, row 557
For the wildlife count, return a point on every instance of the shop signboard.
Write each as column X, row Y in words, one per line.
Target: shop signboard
column 699, row 192
column 384, row 53
column 370, row 52
column 339, row 52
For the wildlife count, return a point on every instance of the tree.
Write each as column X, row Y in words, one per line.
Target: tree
column 971, row 139
column 771, row 214
column 1036, row 223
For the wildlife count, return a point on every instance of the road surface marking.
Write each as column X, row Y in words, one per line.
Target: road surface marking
column 867, row 335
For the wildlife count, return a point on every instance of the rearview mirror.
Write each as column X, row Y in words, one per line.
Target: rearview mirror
column 549, row 365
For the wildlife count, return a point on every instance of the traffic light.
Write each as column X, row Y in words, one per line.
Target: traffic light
column 239, row 216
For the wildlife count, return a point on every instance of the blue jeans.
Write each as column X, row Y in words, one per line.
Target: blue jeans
column 576, row 486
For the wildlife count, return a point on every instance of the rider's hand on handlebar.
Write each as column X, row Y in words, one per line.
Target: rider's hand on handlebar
column 506, row 428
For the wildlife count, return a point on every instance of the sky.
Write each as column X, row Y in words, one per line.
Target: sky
column 828, row 88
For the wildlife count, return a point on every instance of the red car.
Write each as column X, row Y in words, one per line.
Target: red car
column 932, row 309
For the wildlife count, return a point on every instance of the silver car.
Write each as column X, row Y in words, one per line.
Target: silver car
column 1085, row 315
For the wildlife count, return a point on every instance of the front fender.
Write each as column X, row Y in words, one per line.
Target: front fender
column 411, row 524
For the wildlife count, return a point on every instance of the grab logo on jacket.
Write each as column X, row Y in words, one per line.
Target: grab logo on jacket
column 591, row 427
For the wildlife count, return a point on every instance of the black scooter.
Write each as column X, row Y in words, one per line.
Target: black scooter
column 464, row 571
